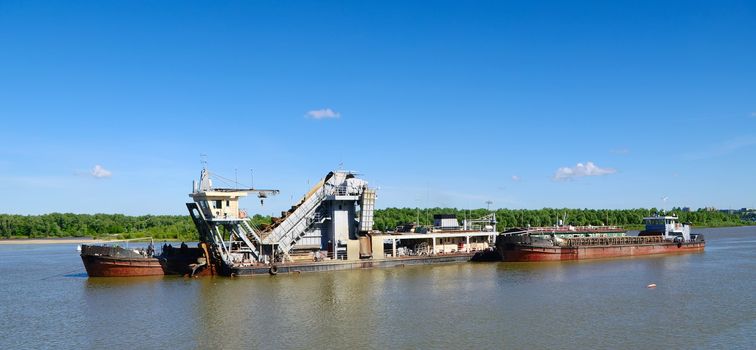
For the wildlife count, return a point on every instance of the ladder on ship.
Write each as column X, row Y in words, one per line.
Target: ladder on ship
column 250, row 241
column 294, row 226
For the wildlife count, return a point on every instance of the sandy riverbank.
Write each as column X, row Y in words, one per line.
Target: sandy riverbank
column 52, row 241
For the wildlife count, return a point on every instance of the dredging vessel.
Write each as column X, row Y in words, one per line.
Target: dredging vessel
column 330, row 228
column 662, row 235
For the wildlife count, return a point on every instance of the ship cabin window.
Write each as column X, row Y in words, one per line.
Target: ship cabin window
column 218, row 204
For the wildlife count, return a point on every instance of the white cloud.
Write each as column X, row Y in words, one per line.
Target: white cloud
column 99, row 172
column 325, row 113
column 515, row 178
column 620, row 151
column 581, row 170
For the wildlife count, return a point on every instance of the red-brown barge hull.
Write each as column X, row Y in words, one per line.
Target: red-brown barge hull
column 530, row 253
column 103, row 266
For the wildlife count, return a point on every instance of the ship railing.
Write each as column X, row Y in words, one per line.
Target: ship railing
column 325, row 256
column 340, row 190
column 599, row 241
column 576, row 229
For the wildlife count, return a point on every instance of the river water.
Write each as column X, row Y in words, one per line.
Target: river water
column 702, row 300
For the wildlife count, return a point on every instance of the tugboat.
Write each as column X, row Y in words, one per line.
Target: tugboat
column 115, row 261
column 663, row 235
column 669, row 227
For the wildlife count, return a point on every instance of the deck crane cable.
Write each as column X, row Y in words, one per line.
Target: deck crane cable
column 226, row 180
column 231, row 182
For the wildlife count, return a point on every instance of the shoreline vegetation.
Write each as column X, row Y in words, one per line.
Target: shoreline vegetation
column 65, row 240
column 95, row 228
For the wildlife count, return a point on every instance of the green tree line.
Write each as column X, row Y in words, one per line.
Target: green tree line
column 181, row 227
column 388, row 219
column 96, row 225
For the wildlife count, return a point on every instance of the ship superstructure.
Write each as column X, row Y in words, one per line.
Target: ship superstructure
column 667, row 226
column 336, row 213
column 339, row 208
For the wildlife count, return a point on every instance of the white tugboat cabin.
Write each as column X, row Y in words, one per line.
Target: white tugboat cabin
column 668, row 226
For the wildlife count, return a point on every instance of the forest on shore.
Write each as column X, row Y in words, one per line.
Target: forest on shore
column 180, row 227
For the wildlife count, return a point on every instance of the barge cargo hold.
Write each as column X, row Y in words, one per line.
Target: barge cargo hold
column 114, row 261
column 663, row 235
column 595, row 248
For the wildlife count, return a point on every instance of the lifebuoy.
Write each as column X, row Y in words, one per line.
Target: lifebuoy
column 273, row 270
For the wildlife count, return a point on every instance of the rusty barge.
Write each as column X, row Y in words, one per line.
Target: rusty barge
column 116, row 261
column 663, row 235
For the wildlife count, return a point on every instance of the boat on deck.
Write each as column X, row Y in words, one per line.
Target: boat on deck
column 662, row 235
column 112, row 260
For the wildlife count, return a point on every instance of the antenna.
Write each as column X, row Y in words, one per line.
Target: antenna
column 488, row 205
column 236, row 177
column 203, row 160
column 251, row 179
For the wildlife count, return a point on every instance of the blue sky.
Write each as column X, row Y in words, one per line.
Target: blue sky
column 107, row 106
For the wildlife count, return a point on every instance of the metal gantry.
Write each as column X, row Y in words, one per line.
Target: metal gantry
column 338, row 208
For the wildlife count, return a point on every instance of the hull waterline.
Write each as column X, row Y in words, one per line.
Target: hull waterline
column 104, row 266
column 526, row 253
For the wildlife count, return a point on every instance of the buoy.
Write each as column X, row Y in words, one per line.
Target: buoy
column 652, row 285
